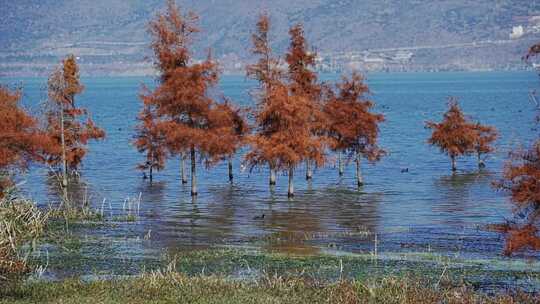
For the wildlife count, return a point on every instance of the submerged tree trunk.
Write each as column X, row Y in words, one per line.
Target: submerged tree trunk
column 183, row 168
column 309, row 172
column 150, row 172
column 480, row 161
column 340, row 164
column 272, row 180
column 193, row 173
column 63, row 141
column 359, row 178
column 231, row 176
column 290, row 193
column 453, row 158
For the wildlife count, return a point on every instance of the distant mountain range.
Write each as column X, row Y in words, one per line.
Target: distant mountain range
column 110, row 36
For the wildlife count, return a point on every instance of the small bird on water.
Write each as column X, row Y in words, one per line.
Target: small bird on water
column 259, row 217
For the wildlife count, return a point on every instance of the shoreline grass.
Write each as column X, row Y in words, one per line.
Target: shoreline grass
column 231, row 275
column 23, row 226
column 250, row 265
column 174, row 287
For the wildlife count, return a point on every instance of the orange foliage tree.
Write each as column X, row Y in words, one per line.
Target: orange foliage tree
column 283, row 117
column 291, row 141
column 187, row 113
column 269, row 75
column 69, row 132
column 151, row 140
column 484, row 138
column 20, row 139
column 229, row 127
column 521, row 237
column 521, row 178
column 172, row 35
column 303, row 83
column 455, row 136
column 351, row 125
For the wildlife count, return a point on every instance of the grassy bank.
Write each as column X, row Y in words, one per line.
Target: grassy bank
column 24, row 226
column 105, row 257
column 250, row 276
column 99, row 269
column 172, row 287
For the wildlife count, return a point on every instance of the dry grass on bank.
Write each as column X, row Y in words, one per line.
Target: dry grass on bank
column 173, row 287
column 20, row 222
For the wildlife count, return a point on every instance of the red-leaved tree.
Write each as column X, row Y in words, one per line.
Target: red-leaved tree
column 186, row 112
column 172, row 34
column 353, row 128
column 483, row 143
column 291, row 142
column 268, row 73
column 20, row 139
column 521, row 178
column 67, row 127
column 229, row 127
column 454, row 136
column 303, row 83
column 150, row 139
column 283, row 119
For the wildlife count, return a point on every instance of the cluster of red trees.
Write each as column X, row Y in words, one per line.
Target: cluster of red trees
column 296, row 120
column 58, row 140
column 180, row 117
column 456, row 135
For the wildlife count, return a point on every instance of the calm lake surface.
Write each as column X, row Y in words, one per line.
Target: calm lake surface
column 426, row 208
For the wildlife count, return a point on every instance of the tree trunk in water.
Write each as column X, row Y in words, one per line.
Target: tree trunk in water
column 340, row 164
column 151, row 167
column 272, row 176
column 290, row 193
column 359, row 178
column 231, row 177
column 453, row 158
column 183, row 168
column 309, row 172
column 480, row 162
column 193, row 173
column 63, row 141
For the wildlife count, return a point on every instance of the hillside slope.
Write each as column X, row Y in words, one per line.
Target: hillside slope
column 111, row 34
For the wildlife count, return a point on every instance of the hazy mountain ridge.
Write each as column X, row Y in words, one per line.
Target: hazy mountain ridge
column 111, row 34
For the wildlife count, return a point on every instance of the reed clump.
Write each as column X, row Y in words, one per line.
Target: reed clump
column 21, row 222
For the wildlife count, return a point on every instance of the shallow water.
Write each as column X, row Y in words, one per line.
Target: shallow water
column 425, row 209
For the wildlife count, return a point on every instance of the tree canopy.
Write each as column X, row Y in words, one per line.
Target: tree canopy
column 185, row 111
column 454, row 136
column 352, row 127
column 21, row 141
column 69, row 127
